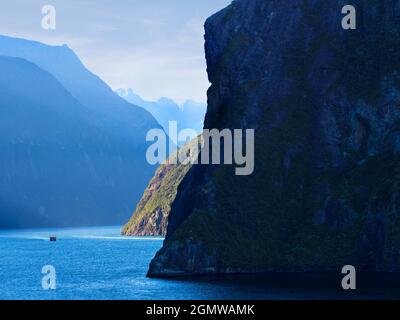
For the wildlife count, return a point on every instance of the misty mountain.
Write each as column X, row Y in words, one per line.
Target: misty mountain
column 72, row 151
column 86, row 87
column 188, row 115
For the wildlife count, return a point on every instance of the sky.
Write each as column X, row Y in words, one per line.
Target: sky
column 155, row 47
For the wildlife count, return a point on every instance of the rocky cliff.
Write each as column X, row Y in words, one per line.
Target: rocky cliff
column 151, row 215
column 325, row 106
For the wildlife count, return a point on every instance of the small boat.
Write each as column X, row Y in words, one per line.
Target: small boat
column 53, row 238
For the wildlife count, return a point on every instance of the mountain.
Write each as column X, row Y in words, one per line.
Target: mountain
column 325, row 106
column 86, row 87
column 151, row 215
column 188, row 115
column 73, row 152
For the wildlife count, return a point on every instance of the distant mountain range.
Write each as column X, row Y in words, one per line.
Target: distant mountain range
column 72, row 152
column 189, row 115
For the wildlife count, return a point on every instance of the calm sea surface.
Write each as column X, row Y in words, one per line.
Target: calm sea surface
column 98, row 263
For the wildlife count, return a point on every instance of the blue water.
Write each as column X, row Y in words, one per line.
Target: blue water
column 98, row 263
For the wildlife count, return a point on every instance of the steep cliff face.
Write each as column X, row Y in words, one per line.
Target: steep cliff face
column 151, row 215
column 325, row 104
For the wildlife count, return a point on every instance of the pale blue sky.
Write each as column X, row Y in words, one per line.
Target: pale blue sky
column 153, row 46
